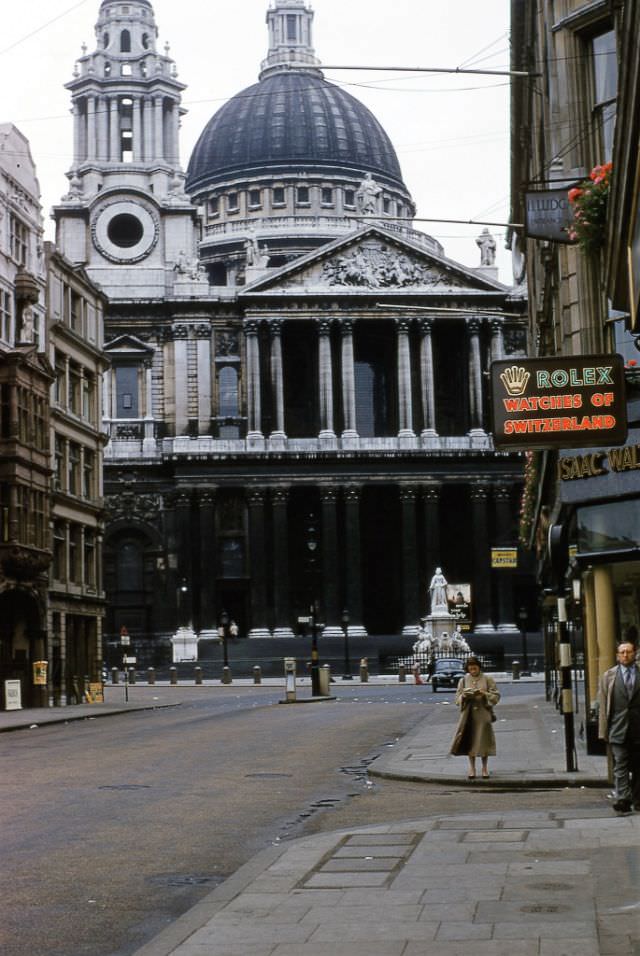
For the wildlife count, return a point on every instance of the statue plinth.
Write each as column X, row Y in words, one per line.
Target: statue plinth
column 440, row 622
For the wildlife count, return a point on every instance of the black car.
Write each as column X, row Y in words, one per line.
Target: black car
column 447, row 672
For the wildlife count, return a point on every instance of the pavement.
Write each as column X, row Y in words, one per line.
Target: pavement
column 518, row 883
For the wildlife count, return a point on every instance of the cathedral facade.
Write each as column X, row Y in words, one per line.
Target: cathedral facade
column 296, row 402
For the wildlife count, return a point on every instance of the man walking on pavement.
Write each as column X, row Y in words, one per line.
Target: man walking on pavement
column 619, row 725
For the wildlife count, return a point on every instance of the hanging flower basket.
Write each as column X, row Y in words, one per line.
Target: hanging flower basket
column 589, row 203
column 529, row 495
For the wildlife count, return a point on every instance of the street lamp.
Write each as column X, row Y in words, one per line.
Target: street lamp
column 522, row 617
column 315, row 662
column 183, row 617
column 347, row 661
column 224, row 633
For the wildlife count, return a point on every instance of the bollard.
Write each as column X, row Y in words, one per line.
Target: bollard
column 115, row 675
column 132, row 675
column 515, row 670
column 151, row 675
column 197, row 672
column 325, row 680
column 402, row 674
column 257, row 674
column 416, row 674
column 173, row 675
column 290, row 679
column 226, row 675
column 364, row 670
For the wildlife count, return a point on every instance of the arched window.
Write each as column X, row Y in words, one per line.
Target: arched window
column 145, row 41
column 125, row 42
column 105, row 40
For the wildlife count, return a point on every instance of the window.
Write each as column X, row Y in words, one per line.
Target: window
column 18, row 240
column 327, row 196
column 125, row 42
column 88, row 473
column 75, row 311
column 88, row 391
column 214, row 206
column 58, row 473
column 126, row 391
column 604, row 66
column 228, row 392
column 278, row 196
column 75, row 389
column 292, row 27
column 302, row 196
column 59, row 551
column 60, row 385
column 232, row 202
column 89, row 557
column 4, row 511
column 5, row 410
column 386, row 204
column 73, row 473
column 6, row 314
column 349, row 197
column 75, row 553
column 255, row 198
column 129, row 567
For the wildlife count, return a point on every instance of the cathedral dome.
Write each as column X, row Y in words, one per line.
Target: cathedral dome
column 292, row 120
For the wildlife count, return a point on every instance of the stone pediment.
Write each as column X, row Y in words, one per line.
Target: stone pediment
column 128, row 345
column 377, row 262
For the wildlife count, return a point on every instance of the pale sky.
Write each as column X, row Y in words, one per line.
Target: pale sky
column 450, row 132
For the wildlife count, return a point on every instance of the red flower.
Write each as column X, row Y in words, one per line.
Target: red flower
column 574, row 193
column 632, row 362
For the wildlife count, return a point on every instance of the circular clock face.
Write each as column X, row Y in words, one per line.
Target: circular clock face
column 125, row 231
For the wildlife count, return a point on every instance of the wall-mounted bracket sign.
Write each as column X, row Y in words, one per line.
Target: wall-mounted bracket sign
column 571, row 402
column 548, row 214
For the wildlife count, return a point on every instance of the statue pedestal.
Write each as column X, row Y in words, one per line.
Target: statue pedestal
column 439, row 623
column 185, row 645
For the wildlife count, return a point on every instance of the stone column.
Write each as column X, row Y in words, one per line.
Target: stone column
column 605, row 610
column 481, row 596
column 505, row 536
column 114, row 134
column 406, row 434
column 203, row 348
column 594, row 670
column 208, row 564
column 254, row 409
column 277, row 438
column 330, row 583
column 147, row 127
column 175, row 134
column 427, row 389
column 281, row 577
column 158, row 129
column 77, row 134
column 137, row 129
column 497, row 340
column 325, row 374
column 258, row 563
column 410, row 590
column 350, row 431
column 149, row 443
column 91, row 127
column 103, row 127
column 353, row 554
column 180, row 339
column 433, row 557
column 475, row 378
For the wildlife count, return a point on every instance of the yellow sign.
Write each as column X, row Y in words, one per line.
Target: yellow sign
column 504, row 557
column 95, row 694
column 40, row 673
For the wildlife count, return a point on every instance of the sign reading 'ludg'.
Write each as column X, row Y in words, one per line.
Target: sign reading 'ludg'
column 574, row 402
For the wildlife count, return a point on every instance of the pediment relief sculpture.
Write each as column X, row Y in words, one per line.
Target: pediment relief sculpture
column 378, row 266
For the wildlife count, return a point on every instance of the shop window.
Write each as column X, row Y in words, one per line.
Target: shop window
column 614, row 526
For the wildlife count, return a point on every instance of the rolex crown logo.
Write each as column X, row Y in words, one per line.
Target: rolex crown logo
column 515, row 379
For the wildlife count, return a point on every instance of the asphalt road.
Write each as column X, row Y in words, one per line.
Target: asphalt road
column 110, row 828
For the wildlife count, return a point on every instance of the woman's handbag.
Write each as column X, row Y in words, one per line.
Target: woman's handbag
column 493, row 716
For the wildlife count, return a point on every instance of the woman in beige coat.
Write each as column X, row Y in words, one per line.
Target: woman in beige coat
column 476, row 696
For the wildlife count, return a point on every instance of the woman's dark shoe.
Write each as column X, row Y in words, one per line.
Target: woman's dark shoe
column 622, row 806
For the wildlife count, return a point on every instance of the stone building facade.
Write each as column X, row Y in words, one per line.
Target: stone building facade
column 296, row 403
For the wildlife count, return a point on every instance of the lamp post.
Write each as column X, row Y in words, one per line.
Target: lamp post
column 522, row 617
column 224, row 632
column 347, row 660
column 183, row 616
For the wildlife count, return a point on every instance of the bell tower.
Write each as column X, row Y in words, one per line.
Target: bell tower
column 126, row 203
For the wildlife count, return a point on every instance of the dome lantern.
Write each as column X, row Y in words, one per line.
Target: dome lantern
column 290, row 38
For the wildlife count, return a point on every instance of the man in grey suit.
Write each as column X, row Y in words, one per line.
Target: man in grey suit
column 619, row 725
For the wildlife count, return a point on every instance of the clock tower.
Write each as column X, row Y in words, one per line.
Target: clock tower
column 126, row 216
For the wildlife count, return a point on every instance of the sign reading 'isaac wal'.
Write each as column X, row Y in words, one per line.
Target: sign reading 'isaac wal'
column 572, row 402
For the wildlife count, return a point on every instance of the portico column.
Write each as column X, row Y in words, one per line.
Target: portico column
column 410, row 589
column 405, row 399
column 147, row 128
column 280, row 503
column 325, row 375
column 329, row 498
column 258, row 558
column 103, row 127
column 481, row 596
column 497, row 340
column 277, row 382
column 433, row 558
column 427, row 390
column 185, row 569
column 348, row 380
column 203, row 349
column 353, row 554
column 207, row 583
column 180, row 361
column 505, row 537
column 475, row 377
column 254, row 409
